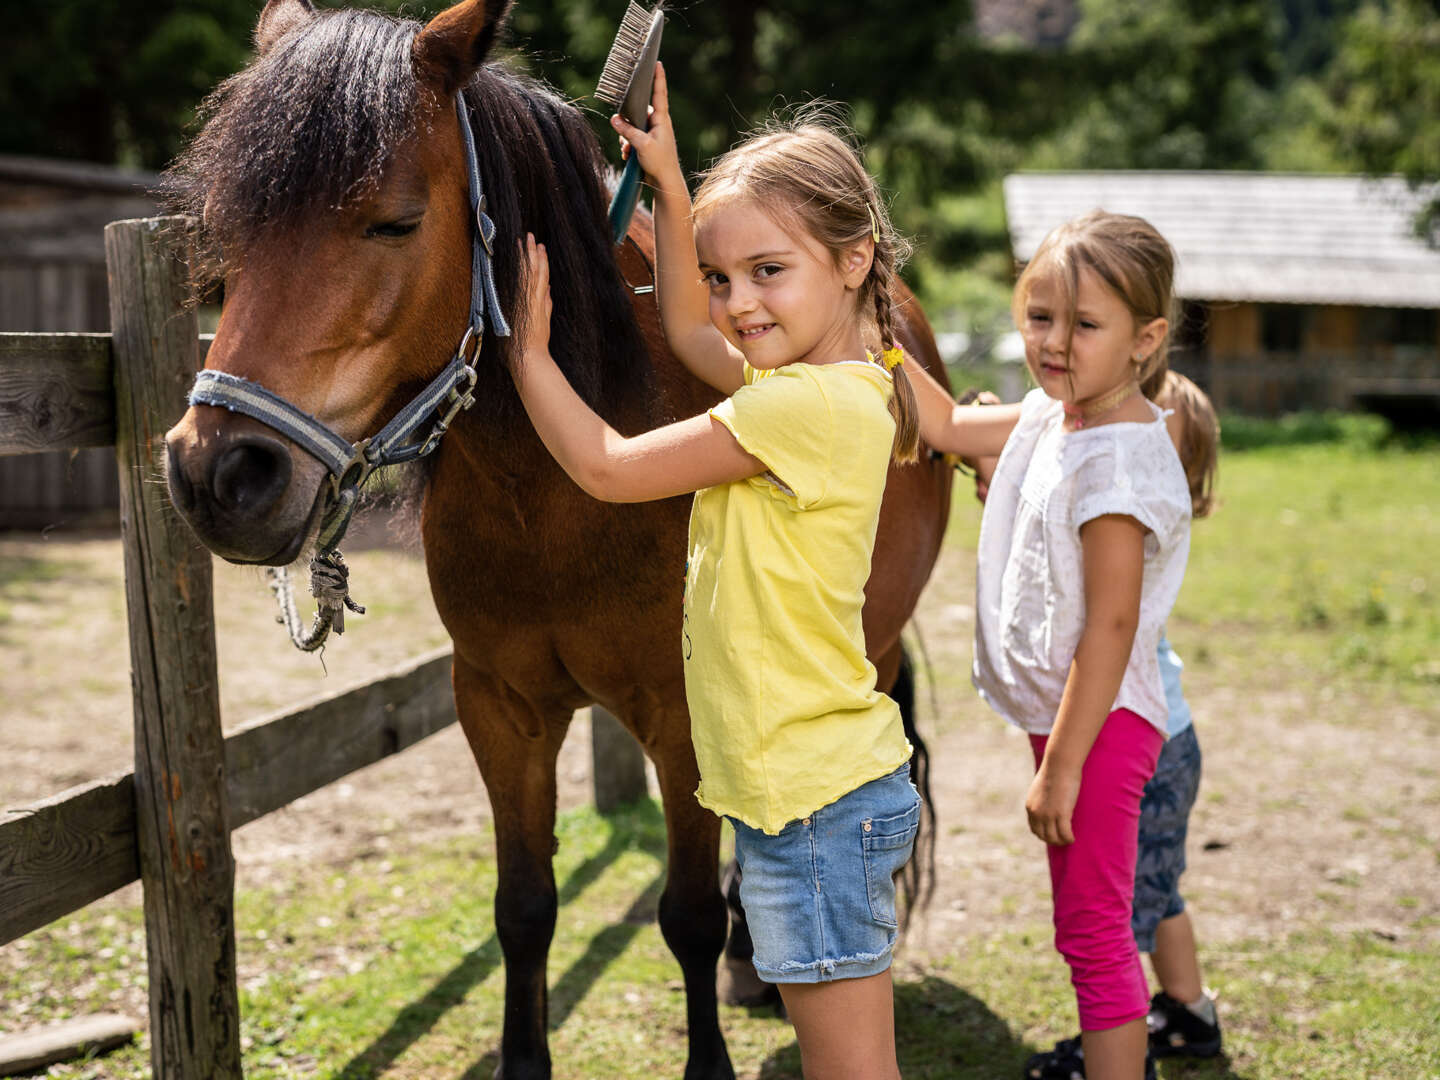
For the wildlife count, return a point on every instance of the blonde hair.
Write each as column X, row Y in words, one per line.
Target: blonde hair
column 808, row 173
column 1128, row 255
column 1199, row 442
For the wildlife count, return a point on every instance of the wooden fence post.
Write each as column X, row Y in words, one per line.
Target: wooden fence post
column 180, row 794
column 617, row 762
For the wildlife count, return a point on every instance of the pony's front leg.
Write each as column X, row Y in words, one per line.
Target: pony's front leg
column 692, row 911
column 516, row 748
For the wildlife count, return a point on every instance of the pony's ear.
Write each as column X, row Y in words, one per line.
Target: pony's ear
column 278, row 19
column 455, row 43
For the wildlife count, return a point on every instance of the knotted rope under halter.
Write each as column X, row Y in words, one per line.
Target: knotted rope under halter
column 399, row 441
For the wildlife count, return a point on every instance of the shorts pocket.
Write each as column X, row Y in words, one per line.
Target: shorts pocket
column 886, row 844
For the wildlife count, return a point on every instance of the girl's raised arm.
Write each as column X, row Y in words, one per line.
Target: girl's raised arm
column 684, row 299
column 1113, row 549
column 958, row 429
column 673, row 460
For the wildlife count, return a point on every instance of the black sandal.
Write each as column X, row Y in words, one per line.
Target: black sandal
column 1067, row 1062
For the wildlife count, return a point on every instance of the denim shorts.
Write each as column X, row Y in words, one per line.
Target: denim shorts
column 819, row 898
column 1164, row 819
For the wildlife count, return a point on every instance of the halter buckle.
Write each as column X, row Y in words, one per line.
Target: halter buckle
column 480, row 221
column 461, row 397
column 358, row 462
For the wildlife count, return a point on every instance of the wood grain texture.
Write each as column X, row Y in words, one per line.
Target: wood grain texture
column 58, row 855
column 276, row 760
column 32, row 1050
column 181, row 800
column 56, row 392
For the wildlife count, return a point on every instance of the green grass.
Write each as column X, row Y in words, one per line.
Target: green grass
column 392, row 969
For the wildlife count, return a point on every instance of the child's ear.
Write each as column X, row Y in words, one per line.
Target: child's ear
column 855, row 263
column 1150, row 336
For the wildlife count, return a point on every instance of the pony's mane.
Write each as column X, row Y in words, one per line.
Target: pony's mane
column 310, row 124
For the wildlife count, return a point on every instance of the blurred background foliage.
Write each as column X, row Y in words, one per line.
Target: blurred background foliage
column 949, row 95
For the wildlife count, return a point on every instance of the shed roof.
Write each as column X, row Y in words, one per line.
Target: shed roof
column 1265, row 237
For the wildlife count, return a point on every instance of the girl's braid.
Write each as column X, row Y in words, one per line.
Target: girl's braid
column 903, row 406
column 884, row 303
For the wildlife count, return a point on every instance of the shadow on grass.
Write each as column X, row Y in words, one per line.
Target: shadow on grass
column 639, row 827
column 944, row 1032
column 1216, row 1068
column 941, row 1031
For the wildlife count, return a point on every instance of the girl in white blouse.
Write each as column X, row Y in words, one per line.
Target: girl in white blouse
column 1082, row 552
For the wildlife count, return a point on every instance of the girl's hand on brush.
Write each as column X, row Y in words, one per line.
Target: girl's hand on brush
column 658, row 155
column 1050, row 804
column 537, row 300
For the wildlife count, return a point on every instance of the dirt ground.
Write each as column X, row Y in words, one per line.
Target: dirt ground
column 1315, row 810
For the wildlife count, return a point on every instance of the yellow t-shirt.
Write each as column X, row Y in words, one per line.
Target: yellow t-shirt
column 784, row 712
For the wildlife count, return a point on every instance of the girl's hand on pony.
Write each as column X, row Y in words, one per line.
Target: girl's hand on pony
column 658, row 154
column 1050, row 803
column 538, row 305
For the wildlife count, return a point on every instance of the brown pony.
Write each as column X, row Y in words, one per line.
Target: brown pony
column 331, row 180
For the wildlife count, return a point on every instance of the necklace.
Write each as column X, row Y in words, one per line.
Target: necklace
column 1099, row 406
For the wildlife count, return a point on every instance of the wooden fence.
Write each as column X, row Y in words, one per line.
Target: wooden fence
column 1272, row 383
column 168, row 823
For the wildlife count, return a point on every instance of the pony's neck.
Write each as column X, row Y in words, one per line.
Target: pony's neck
column 541, row 168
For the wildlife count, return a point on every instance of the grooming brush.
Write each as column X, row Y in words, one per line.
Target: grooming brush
column 625, row 84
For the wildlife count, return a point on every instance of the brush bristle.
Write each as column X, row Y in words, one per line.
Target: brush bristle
column 624, row 54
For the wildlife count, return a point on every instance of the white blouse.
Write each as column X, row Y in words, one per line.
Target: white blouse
column 1030, row 585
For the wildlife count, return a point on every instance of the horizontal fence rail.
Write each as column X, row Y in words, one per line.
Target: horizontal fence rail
column 57, row 391
column 58, row 855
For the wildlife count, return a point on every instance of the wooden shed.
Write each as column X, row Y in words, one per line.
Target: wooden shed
column 1298, row 291
column 52, row 277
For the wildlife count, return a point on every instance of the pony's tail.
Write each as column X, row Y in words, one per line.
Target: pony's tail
column 917, row 879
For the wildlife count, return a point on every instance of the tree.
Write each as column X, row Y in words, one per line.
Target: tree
column 1385, row 85
column 1169, row 84
column 87, row 79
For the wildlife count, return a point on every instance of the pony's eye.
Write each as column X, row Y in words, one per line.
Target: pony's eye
column 389, row 230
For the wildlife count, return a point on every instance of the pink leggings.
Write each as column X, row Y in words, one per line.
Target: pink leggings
column 1093, row 879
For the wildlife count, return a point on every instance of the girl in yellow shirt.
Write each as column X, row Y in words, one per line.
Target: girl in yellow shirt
column 768, row 290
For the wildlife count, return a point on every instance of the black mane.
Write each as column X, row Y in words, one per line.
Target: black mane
column 309, row 125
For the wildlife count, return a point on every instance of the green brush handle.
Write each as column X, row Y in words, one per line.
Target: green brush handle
column 627, row 193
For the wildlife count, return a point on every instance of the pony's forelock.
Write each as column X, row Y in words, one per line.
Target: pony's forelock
column 306, row 128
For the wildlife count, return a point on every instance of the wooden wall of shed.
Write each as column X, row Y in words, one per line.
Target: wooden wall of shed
column 1333, row 327
column 1234, row 329
column 80, row 488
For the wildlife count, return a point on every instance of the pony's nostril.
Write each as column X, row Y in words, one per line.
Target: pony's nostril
column 250, row 476
column 182, row 492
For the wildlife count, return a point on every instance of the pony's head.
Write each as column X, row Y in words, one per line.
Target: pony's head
column 330, row 178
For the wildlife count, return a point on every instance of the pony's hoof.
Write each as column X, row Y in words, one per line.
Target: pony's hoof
column 737, row 984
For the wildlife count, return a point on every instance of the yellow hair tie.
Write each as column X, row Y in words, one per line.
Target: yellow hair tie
column 892, row 358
